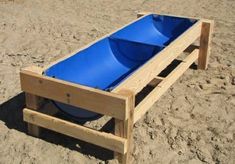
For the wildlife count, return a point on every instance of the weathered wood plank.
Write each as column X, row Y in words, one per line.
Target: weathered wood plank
column 154, row 66
column 33, row 102
column 155, row 81
column 106, row 140
column 205, row 44
column 125, row 129
column 88, row 98
column 162, row 87
column 141, row 14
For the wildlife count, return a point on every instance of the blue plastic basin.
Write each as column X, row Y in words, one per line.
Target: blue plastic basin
column 109, row 61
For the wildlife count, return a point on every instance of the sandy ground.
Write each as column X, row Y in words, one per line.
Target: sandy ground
column 194, row 122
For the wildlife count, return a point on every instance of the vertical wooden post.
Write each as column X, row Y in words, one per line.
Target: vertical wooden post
column 33, row 102
column 124, row 128
column 205, row 41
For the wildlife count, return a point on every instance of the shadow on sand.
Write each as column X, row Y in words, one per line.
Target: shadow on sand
column 11, row 113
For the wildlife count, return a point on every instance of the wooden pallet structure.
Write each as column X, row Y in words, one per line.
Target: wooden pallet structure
column 119, row 103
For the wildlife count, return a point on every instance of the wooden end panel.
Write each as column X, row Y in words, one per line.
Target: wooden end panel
column 94, row 100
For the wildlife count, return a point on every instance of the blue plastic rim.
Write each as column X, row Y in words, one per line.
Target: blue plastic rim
column 106, row 63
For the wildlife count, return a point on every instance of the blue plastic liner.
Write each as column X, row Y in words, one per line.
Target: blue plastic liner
column 106, row 63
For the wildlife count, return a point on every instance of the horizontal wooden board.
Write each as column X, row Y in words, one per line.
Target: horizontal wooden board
column 162, row 87
column 95, row 100
column 106, row 140
column 154, row 66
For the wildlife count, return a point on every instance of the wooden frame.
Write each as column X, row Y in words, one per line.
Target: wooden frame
column 119, row 103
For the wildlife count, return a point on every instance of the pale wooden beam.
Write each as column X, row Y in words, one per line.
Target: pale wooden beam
column 106, row 140
column 159, row 62
column 33, row 102
column 74, row 94
column 162, row 87
column 205, row 43
column 124, row 128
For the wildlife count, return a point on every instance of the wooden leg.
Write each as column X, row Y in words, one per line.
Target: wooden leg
column 125, row 129
column 33, row 102
column 34, row 130
column 204, row 49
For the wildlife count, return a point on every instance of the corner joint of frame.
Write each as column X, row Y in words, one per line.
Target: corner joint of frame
column 142, row 13
column 129, row 102
column 32, row 69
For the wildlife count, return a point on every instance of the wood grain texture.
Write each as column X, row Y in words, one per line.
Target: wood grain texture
column 33, row 102
column 106, row 140
column 95, row 100
column 125, row 129
column 162, row 87
column 205, row 43
column 154, row 66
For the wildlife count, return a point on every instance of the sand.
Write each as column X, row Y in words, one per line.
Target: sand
column 194, row 122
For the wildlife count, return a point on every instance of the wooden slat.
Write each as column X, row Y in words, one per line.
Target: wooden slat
column 124, row 128
column 106, row 140
column 154, row 66
column 190, row 48
column 155, row 81
column 140, row 14
column 95, row 100
column 155, row 94
column 205, row 41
